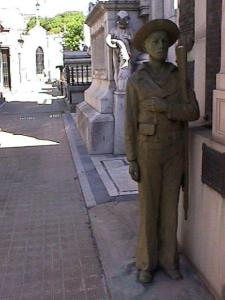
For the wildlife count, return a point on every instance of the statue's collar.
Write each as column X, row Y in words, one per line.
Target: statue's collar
column 169, row 67
column 161, row 79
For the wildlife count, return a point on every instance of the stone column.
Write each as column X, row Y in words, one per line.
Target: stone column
column 157, row 11
column 223, row 44
column 219, row 93
column 170, row 13
column 200, row 53
column 145, row 8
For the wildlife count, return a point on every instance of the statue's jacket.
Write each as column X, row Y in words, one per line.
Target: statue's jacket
column 159, row 129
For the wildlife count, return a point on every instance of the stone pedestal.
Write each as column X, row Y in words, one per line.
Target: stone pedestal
column 96, row 129
column 119, row 113
column 219, row 93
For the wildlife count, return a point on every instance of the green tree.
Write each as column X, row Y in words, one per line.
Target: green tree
column 70, row 24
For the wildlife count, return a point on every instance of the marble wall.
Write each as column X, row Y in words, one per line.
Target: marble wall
column 219, row 93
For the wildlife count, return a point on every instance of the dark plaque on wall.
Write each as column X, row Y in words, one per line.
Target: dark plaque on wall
column 213, row 169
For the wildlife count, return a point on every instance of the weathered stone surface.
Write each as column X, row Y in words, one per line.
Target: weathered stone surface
column 113, row 171
column 119, row 115
column 96, row 129
column 100, row 96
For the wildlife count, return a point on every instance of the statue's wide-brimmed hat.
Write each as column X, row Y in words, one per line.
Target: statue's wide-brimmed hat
column 153, row 26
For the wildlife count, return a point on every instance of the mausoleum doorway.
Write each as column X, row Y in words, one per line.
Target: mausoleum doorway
column 39, row 61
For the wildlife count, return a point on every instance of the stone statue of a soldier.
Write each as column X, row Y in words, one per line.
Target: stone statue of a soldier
column 157, row 110
column 119, row 39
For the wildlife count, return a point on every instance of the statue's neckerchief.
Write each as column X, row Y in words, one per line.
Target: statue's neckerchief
column 160, row 78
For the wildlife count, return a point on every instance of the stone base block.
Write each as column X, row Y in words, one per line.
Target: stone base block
column 100, row 95
column 119, row 115
column 220, row 81
column 219, row 116
column 96, row 129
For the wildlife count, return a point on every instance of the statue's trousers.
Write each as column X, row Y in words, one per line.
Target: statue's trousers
column 161, row 173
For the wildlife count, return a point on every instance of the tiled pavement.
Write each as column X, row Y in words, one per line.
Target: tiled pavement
column 46, row 247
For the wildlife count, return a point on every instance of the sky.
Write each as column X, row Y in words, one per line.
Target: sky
column 47, row 7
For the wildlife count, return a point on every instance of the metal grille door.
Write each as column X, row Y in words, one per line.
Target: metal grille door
column 6, row 67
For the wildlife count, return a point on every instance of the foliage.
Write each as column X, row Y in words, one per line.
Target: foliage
column 70, row 24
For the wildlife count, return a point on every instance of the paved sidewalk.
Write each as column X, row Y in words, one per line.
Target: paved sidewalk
column 115, row 227
column 46, row 246
column 47, row 251
column 115, row 223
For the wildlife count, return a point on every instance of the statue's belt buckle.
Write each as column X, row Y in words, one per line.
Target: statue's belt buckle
column 147, row 129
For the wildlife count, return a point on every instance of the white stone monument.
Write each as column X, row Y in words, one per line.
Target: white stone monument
column 98, row 117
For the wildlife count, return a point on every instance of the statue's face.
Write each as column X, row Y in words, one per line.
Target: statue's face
column 157, row 45
column 123, row 22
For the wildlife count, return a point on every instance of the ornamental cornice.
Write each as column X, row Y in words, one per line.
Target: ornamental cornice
column 102, row 6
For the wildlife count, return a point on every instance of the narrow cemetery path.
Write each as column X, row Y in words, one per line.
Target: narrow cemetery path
column 46, row 245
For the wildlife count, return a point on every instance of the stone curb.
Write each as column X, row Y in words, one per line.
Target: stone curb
column 2, row 104
column 85, row 186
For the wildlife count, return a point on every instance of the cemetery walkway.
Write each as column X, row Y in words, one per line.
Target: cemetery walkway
column 47, row 251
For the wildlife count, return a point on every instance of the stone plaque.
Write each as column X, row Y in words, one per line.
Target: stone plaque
column 113, row 172
column 98, row 44
column 213, row 169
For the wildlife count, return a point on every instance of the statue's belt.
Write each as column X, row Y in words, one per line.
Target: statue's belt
column 151, row 130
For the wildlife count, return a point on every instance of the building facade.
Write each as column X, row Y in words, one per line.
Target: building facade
column 26, row 57
column 202, row 237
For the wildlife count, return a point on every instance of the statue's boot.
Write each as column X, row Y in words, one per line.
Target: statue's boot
column 145, row 277
column 173, row 274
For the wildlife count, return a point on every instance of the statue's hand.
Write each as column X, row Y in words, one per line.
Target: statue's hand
column 134, row 170
column 114, row 36
column 156, row 104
